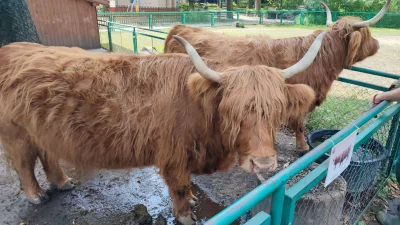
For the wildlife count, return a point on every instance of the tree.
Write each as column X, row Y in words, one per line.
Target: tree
column 229, row 5
column 250, row 4
column 191, row 4
column 16, row 24
column 257, row 4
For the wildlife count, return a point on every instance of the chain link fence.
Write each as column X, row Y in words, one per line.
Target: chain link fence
column 226, row 18
column 16, row 23
column 346, row 199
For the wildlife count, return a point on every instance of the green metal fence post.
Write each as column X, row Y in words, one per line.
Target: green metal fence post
column 183, row 18
column 391, row 142
column 150, row 21
column 334, row 16
column 135, row 47
column 281, row 16
column 277, row 202
column 237, row 16
column 260, row 14
column 109, row 37
column 289, row 207
column 212, row 19
column 302, row 18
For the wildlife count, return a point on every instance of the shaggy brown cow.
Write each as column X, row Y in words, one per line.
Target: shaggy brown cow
column 119, row 111
column 348, row 41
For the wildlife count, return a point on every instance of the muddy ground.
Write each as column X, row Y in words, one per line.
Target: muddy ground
column 109, row 197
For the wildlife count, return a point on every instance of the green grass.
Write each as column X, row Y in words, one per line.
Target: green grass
column 336, row 113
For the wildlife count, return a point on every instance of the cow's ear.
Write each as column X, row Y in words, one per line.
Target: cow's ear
column 355, row 39
column 200, row 87
column 300, row 98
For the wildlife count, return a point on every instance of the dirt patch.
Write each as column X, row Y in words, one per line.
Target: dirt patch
column 110, row 197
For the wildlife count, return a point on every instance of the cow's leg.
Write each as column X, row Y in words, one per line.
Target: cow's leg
column 22, row 154
column 298, row 125
column 182, row 197
column 55, row 174
column 23, row 158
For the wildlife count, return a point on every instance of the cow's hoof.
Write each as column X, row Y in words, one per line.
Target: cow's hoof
column 188, row 220
column 193, row 200
column 67, row 186
column 41, row 199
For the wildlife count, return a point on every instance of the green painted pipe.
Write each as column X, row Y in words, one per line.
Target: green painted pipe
column 374, row 72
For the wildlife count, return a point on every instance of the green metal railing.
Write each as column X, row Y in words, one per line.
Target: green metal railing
column 223, row 18
column 284, row 201
column 284, row 198
column 126, row 31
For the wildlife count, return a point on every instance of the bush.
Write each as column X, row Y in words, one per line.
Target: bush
column 197, row 17
column 311, row 19
column 184, row 6
column 389, row 21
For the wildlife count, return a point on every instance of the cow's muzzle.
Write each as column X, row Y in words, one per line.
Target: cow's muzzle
column 262, row 164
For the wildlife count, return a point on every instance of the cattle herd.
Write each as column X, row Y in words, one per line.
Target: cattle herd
column 207, row 101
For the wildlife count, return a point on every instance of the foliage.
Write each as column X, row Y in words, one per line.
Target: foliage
column 184, row 6
column 197, row 6
column 311, row 18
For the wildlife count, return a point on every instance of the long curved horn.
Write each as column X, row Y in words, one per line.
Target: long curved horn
column 307, row 59
column 198, row 63
column 328, row 14
column 374, row 19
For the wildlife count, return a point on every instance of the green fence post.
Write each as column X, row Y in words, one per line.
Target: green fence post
column 289, row 207
column 277, row 202
column 302, row 18
column 109, row 37
column 334, row 16
column 135, row 47
column 212, row 19
column 237, row 16
column 183, row 18
column 391, row 141
column 281, row 17
column 150, row 21
column 260, row 14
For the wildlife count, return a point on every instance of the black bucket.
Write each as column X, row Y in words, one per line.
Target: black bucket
column 361, row 173
column 320, row 136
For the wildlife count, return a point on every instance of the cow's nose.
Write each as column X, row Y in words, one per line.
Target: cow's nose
column 265, row 164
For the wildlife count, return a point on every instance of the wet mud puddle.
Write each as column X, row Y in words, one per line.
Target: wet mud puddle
column 206, row 208
column 108, row 198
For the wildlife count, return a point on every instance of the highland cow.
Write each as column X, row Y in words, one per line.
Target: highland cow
column 348, row 41
column 118, row 111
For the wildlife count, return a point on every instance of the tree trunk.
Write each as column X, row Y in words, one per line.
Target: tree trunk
column 257, row 4
column 250, row 4
column 191, row 4
column 229, row 7
column 16, row 24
